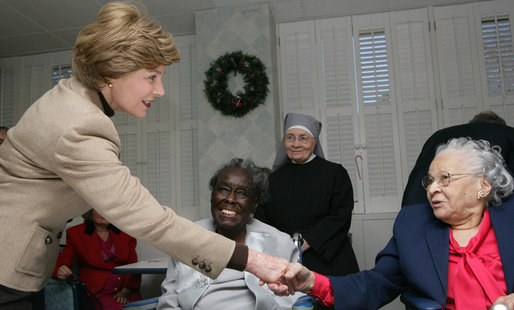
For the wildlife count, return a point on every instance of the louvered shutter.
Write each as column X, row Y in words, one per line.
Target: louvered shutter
column 60, row 72
column 458, row 63
column 189, row 174
column 415, row 93
column 298, row 76
column 377, row 110
column 188, row 188
column 129, row 151
column 157, row 140
column 7, row 96
column 158, row 165
column 338, row 99
column 497, row 57
column 34, row 83
column 129, row 130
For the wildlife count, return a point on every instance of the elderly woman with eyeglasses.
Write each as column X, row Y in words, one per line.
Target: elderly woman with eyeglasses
column 458, row 249
column 311, row 196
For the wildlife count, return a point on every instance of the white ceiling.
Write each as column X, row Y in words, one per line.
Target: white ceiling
column 39, row 26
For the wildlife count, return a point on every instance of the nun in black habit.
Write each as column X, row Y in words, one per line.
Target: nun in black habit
column 311, row 196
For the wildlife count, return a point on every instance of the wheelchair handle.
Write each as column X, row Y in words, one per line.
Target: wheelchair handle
column 298, row 241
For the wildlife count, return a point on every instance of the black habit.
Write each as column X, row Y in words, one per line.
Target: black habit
column 316, row 200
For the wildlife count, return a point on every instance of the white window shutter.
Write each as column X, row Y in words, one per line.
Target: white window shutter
column 458, row 63
column 298, row 75
column 338, row 99
column 152, row 163
column 158, row 166
column 494, row 23
column 119, row 119
column 415, row 91
column 340, row 148
column 377, row 110
column 188, row 107
column 129, row 152
column 60, row 72
column 7, row 96
column 34, row 85
column 186, row 135
column 189, row 174
column 157, row 143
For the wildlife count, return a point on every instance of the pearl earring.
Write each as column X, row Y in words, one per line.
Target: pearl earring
column 110, row 85
column 480, row 194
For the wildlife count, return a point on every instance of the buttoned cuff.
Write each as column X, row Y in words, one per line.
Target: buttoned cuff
column 323, row 291
column 239, row 258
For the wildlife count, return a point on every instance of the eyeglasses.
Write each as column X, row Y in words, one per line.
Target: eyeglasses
column 239, row 194
column 443, row 178
column 301, row 139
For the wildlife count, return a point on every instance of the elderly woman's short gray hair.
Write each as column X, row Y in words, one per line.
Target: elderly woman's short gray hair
column 260, row 180
column 484, row 160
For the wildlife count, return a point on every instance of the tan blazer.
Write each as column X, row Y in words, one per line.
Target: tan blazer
column 61, row 159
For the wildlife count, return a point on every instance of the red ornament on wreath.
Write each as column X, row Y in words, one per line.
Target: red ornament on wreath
column 255, row 89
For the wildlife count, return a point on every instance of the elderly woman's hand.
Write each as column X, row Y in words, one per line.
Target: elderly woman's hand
column 302, row 279
column 64, row 272
column 297, row 279
column 506, row 300
column 123, row 296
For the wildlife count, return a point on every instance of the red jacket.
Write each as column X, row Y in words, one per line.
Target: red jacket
column 93, row 270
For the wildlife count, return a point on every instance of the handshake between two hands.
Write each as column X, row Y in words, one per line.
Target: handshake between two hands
column 281, row 276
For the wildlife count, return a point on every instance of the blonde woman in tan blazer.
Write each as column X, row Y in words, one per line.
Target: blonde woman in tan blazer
column 62, row 158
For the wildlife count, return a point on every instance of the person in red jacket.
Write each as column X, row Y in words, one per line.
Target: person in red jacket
column 98, row 247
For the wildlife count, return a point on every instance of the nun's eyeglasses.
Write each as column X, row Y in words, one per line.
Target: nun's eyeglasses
column 301, row 139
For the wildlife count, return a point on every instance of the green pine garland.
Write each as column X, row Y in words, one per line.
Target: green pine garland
column 253, row 72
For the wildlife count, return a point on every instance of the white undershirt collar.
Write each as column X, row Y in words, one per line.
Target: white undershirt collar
column 308, row 160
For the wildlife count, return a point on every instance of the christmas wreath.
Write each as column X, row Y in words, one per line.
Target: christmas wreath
column 254, row 75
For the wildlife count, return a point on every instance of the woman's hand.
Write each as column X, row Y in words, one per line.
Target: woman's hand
column 265, row 267
column 297, row 279
column 302, row 279
column 122, row 296
column 506, row 300
column 63, row 272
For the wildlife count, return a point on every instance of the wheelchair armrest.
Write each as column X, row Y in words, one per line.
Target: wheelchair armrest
column 142, row 304
column 416, row 302
column 308, row 303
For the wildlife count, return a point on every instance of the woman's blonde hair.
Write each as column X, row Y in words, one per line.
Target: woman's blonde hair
column 122, row 40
